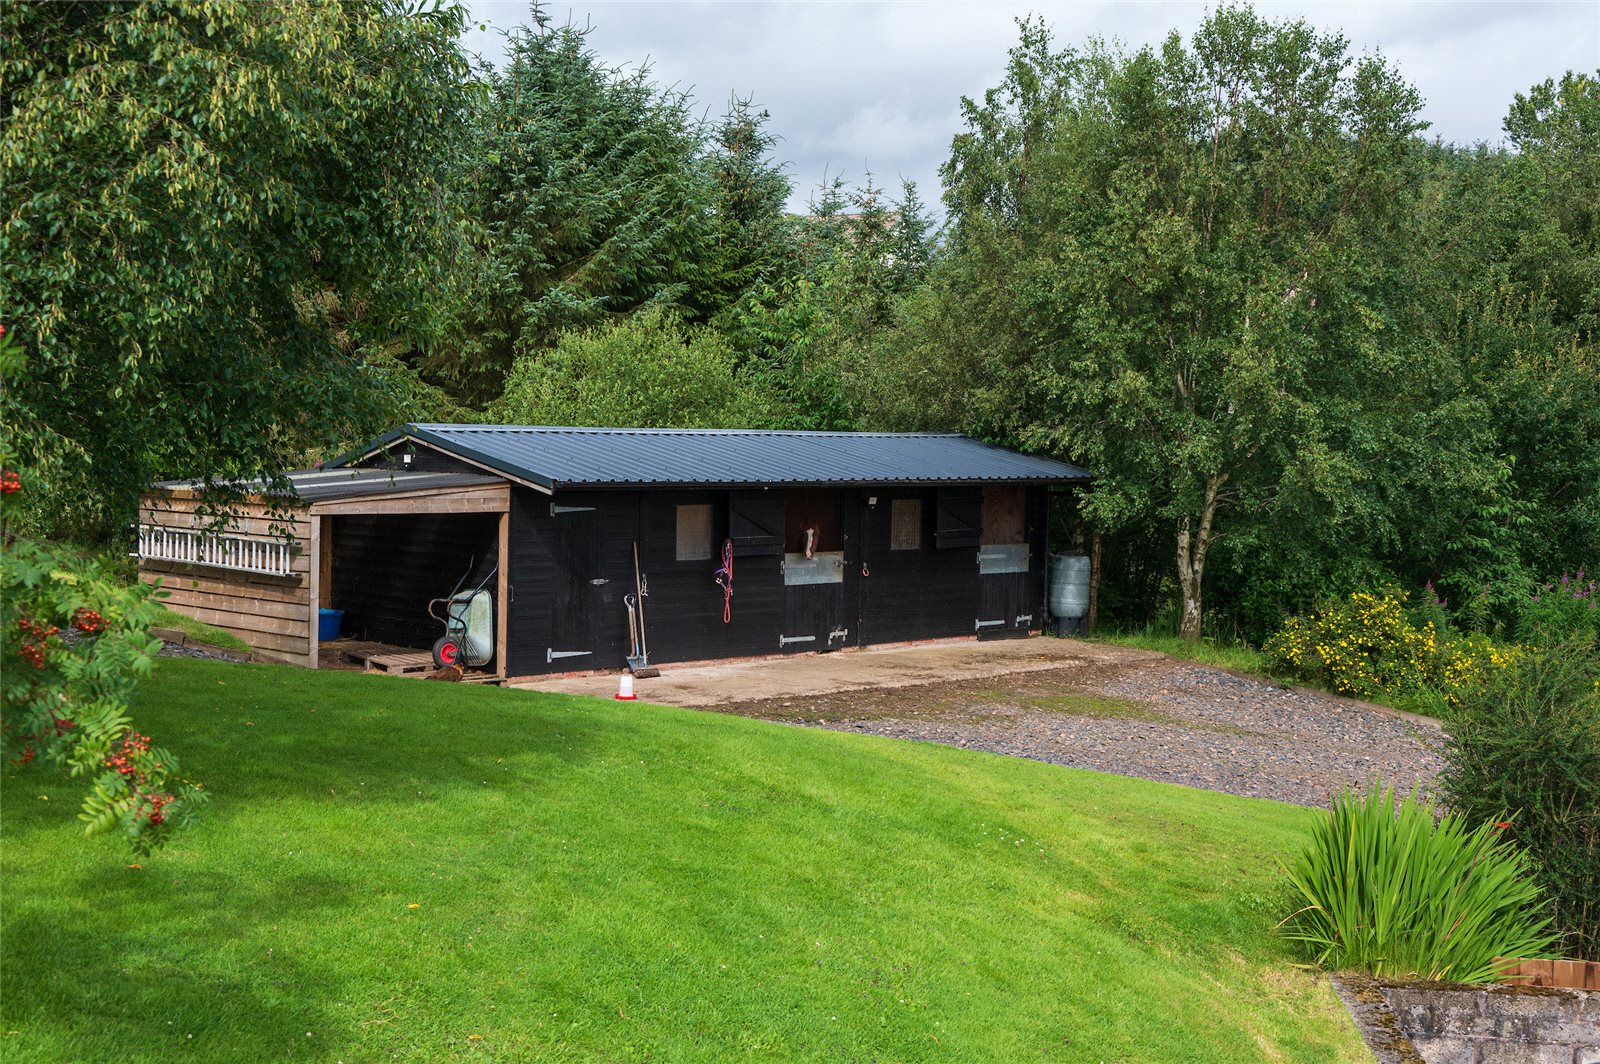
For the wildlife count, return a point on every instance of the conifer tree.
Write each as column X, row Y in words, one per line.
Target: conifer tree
column 591, row 196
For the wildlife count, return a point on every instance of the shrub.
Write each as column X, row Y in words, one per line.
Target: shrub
column 1369, row 646
column 1526, row 750
column 1390, row 891
column 1562, row 608
column 649, row 370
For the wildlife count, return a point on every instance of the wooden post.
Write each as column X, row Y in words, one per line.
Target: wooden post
column 1093, row 617
column 314, row 597
column 502, row 607
column 324, row 532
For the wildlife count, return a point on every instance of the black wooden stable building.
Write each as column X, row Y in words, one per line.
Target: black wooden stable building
column 836, row 539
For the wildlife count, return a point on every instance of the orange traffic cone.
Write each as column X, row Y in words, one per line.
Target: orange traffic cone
column 625, row 688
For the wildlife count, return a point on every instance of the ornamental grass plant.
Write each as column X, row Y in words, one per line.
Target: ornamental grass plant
column 1387, row 889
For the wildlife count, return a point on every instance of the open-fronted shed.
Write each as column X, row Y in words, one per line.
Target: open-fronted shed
column 262, row 566
column 727, row 543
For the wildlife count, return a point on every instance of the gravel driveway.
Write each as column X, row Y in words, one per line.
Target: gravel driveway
column 1161, row 719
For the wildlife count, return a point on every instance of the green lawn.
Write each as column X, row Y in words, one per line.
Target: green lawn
column 398, row 870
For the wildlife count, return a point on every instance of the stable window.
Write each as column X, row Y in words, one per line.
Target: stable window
column 811, row 522
column 813, row 540
column 694, row 532
column 905, row 524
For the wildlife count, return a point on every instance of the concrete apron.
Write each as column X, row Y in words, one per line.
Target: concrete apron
column 849, row 670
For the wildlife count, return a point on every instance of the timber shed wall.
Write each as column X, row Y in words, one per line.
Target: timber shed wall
column 270, row 613
column 571, row 564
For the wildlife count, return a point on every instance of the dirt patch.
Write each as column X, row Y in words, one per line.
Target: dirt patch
column 1159, row 719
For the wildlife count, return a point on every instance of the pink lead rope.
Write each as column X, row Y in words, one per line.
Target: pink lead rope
column 725, row 580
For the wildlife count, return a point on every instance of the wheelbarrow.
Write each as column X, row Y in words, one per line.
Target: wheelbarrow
column 468, row 619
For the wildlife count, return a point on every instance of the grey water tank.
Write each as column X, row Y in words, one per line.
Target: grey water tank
column 1069, row 586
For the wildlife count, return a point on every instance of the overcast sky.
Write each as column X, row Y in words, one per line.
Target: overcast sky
column 855, row 85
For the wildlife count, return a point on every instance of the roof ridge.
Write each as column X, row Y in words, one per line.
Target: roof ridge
column 645, row 430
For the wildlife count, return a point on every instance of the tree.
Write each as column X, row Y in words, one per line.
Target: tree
column 184, row 188
column 591, row 198
column 812, row 337
column 1555, row 130
column 73, row 645
column 1182, row 263
column 650, row 370
column 753, row 241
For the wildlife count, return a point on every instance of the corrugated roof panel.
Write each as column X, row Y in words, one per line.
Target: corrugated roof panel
column 597, row 457
column 337, row 482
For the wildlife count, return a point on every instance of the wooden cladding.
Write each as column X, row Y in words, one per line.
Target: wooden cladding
column 959, row 519
column 1004, row 516
column 271, row 611
column 756, row 522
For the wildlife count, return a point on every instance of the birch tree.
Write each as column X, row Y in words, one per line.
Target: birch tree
column 1182, row 261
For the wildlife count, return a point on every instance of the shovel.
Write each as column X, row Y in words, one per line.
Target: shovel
column 639, row 660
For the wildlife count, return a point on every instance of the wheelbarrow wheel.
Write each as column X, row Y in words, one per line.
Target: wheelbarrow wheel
column 446, row 652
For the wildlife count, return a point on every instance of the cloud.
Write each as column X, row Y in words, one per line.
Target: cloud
column 850, row 85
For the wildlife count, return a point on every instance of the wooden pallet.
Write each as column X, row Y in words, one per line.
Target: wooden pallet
column 384, row 658
column 398, row 661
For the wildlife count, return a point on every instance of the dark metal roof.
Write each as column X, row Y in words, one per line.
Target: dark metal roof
column 597, row 457
column 322, row 485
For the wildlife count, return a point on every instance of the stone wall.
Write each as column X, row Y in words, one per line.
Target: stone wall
column 1501, row 1025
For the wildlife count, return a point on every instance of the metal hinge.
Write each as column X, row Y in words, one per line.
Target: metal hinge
column 552, row 655
column 988, row 624
column 1021, row 617
column 597, row 581
column 785, row 640
column 838, row 633
column 554, row 509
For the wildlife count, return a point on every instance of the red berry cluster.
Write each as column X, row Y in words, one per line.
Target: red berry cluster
column 88, row 621
column 151, row 805
column 35, row 637
column 10, row 482
column 121, row 761
column 28, row 754
column 154, row 808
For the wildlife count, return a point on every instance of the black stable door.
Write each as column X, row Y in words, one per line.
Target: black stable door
column 578, row 598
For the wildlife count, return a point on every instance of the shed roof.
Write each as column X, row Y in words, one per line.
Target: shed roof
column 330, row 483
column 556, row 457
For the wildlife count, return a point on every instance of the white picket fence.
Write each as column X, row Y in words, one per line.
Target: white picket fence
column 271, row 557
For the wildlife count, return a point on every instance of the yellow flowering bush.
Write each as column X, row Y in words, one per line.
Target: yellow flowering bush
column 1368, row 647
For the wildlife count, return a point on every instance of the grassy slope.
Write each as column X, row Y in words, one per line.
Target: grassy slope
column 1238, row 657
column 200, row 631
column 600, row 881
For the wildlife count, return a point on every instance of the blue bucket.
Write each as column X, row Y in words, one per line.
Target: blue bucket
column 328, row 622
